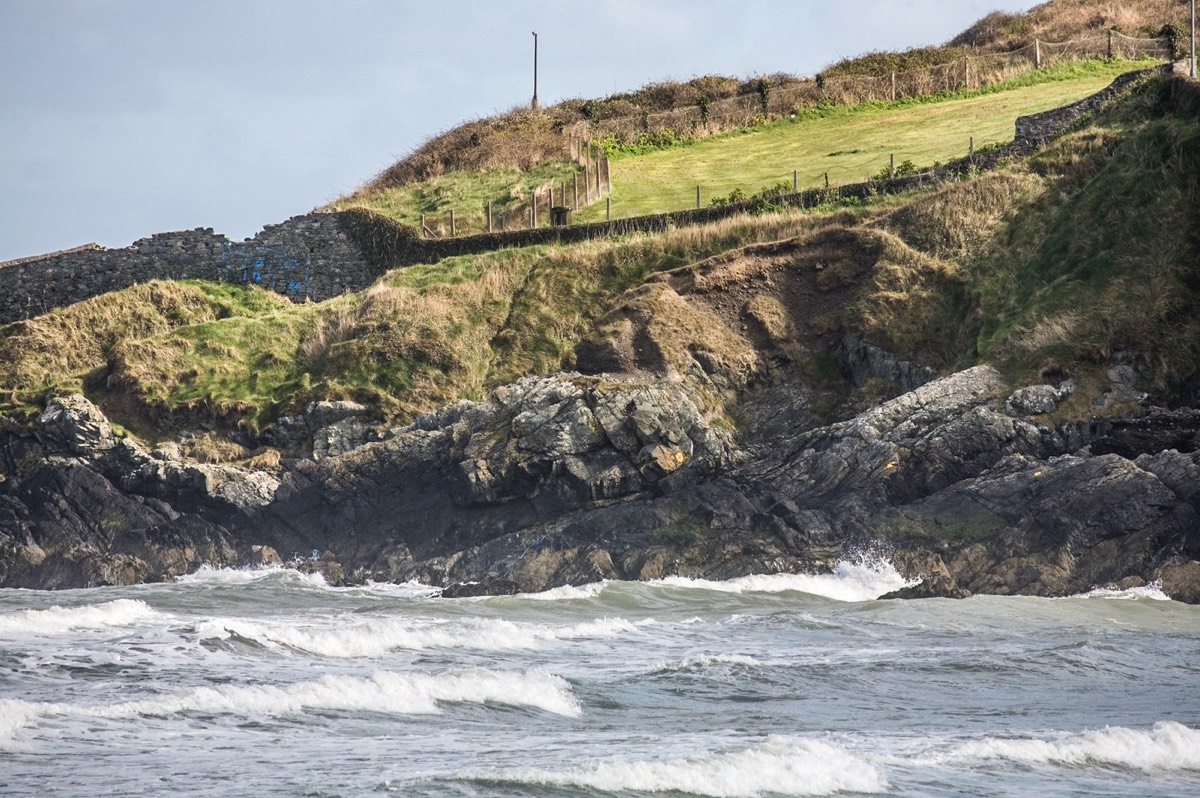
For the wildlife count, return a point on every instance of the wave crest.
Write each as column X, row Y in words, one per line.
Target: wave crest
column 863, row 580
column 60, row 620
column 376, row 638
column 1167, row 746
column 780, row 765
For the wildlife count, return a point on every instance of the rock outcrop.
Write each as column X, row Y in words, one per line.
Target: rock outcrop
column 570, row 479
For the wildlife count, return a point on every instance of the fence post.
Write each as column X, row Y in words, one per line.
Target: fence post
column 423, row 227
column 607, row 176
column 893, row 87
column 795, row 181
column 1037, row 51
column 826, row 180
column 697, row 196
column 1110, row 44
column 489, row 216
column 452, row 228
column 892, row 166
column 608, row 209
column 533, row 211
column 599, row 188
column 971, row 150
column 575, row 183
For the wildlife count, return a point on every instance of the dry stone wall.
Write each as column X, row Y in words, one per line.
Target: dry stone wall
column 306, row 257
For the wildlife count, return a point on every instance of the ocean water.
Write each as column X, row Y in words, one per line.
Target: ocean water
column 270, row 683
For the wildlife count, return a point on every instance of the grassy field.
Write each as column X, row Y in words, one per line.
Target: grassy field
column 851, row 144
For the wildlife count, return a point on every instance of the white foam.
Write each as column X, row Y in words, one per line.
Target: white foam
column 60, row 620
column 1167, row 746
column 207, row 575
column 374, row 638
column 383, row 691
column 780, row 765
column 704, row 661
column 850, row 581
column 567, row 592
column 1152, row 591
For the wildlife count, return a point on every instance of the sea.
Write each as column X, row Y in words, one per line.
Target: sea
column 272, row 683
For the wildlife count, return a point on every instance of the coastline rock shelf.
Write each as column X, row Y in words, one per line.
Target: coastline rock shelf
column 572, row 478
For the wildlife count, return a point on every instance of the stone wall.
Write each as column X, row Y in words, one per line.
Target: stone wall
column 306, row 257
column 1041, row 128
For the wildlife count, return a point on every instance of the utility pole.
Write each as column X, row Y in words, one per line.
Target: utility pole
column 535, row 104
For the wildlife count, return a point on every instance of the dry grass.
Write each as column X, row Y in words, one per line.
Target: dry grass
column 916, row 305
column 774, row 318
column 1060, row 20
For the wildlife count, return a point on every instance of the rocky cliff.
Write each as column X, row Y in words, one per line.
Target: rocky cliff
column 574, row 478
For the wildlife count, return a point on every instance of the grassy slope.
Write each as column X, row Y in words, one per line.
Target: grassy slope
column 467, row 194
column 1085, row 250
column 850, row 143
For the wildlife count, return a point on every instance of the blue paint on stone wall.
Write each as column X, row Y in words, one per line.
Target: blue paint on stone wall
column 272, row 267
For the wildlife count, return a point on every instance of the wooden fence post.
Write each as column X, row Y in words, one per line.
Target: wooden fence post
column 697, row 196
column 423, row 227
column 892, row 166
column 826, row 180
column 1037, row 62
column 608, row 209
column 533, row 211
column 452, row 228
column 893, row 87
column 795, row 180
column 489, row 216
column 575, row 182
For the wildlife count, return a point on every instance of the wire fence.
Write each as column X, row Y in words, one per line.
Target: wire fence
column 970, row 72
column 593, row 183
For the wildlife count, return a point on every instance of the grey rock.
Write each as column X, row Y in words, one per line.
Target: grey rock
column 1037, row 400
column 322, row 414
column 74, row 425
column 340, row 437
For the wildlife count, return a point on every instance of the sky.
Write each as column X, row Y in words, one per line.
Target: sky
column 123, row 118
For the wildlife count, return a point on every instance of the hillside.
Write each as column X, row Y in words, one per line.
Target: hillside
column 992, row 373
column 505, row 158
column 991, row 269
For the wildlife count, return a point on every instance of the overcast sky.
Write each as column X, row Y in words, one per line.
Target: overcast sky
column 122, row 118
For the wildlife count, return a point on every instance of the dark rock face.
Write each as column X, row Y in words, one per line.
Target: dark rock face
column 570, row 479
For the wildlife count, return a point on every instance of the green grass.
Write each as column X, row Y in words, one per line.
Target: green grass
column 850, row 143
column 468, row 194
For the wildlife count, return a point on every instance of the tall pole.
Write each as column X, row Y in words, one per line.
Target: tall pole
column 1193, row 64
column 535, row 70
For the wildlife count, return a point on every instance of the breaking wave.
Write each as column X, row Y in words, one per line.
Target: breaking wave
column 780, row 765
column 383, row 691
column 1152, row 591
column 375, row 638
column 60, row 620
column 1167, row 746
column 709, row 660
column 850, row 581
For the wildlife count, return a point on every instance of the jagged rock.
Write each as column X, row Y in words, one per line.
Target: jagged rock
column 566, row 479
column 261, row 557
column 338, row 438
column 74, row 425
column 322, row 414
column 1038, row 400
column 865, row 361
